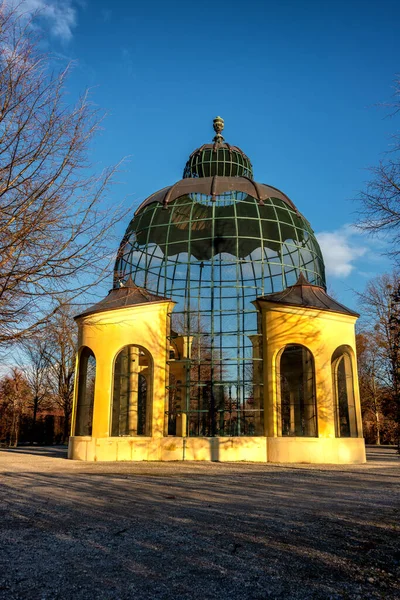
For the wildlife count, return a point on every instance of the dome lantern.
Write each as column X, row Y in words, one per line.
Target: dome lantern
column 218, row 124
column 218, row 159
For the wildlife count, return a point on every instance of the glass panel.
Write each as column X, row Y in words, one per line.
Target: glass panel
column 343, row 392
column 298, row 412
column 86, row 383
column 131, row 402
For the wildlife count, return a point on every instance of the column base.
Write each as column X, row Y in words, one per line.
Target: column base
column 221, row 449
column 316, row 450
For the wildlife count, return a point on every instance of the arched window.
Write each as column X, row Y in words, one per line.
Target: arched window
column 343, row 393
column 298, row 411
column 86, row 381
column 131, row 407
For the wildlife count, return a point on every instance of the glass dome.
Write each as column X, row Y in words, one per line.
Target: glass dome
column 213, row 245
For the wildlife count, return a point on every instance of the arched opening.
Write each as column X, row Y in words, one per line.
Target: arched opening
column 298, row 411
column 85, row 401
column 343, row 393
column 131, row 406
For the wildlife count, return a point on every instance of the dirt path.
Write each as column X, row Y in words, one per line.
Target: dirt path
column 197, row 530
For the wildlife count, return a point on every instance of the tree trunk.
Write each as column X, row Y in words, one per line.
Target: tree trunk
column 67, row 414
column 12, row 428
column 34, row 418
column 376, row 411
column 17, row 424
column 378, row 428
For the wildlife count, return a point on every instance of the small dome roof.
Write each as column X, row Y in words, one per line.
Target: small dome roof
column 127, row 294
column 303, row 293
column 218, row 158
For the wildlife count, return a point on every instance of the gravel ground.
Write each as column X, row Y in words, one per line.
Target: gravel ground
column 197, row 530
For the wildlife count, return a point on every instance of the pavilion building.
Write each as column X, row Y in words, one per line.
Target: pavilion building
column 218, row 340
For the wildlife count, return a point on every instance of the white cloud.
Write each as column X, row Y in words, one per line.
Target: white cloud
column 59, row 15
column 341, row 249
column 106, row 14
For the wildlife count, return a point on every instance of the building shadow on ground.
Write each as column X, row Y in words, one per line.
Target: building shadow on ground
column 48, row 451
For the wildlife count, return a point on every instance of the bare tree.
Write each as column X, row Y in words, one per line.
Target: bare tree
column 378, row 307
column 60, row 356
column 14, row 398
column 34, row 366
column 54, row 227
column 381, row 310
column 371, row 385
column 380, row 202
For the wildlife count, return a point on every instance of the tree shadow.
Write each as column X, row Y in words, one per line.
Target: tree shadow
column 378, row 454
column 199, row 532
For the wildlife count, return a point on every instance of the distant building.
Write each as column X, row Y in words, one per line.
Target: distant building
column 218, row 340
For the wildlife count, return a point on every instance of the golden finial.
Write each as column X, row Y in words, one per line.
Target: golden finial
column 218, row 124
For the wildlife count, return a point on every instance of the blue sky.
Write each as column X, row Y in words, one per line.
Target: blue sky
column 297, row 82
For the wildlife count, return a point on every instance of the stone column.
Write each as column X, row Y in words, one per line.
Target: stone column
column 309, row 395
column 133, row 389
column 293, row 415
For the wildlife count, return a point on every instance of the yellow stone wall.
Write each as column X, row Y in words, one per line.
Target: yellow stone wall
column 322, row 332
column 106, row 333
column 223, row 449
column 147, row 325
